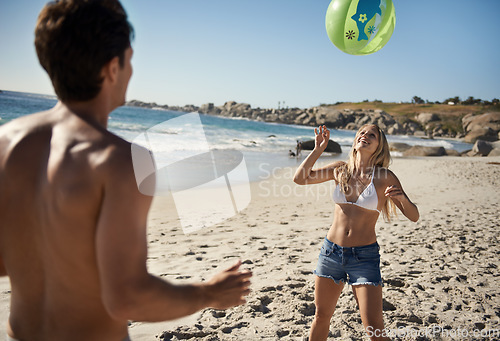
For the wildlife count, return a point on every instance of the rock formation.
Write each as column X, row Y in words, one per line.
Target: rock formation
column 332, row 147
column 483, row 127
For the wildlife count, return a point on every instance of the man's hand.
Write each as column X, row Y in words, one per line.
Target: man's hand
column 228, row 288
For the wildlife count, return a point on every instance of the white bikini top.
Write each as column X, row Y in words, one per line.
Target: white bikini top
column 367, row 199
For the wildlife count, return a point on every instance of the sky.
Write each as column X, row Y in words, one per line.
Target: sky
column 274, row 52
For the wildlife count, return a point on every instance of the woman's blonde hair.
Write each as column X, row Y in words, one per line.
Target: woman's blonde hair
column 381, row 158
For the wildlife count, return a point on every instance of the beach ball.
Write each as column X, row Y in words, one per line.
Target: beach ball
column 360, row 27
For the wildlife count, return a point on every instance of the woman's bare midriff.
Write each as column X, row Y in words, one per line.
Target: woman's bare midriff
column 353, row 226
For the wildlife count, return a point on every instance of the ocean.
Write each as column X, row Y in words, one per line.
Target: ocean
column 265, row 146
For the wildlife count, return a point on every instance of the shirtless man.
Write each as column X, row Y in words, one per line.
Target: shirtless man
column 72, row 221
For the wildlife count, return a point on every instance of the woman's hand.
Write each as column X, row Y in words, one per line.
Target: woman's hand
column 305, row 175
column 321, row 138
column 394, row 192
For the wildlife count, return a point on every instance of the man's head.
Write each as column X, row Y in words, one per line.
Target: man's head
column 74, row 39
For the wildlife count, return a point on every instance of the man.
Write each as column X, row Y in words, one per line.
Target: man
column 72, row 221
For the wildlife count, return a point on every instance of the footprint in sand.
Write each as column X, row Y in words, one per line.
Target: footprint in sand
column 229, row 329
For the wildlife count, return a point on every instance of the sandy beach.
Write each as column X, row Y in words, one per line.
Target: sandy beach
column 441, row 273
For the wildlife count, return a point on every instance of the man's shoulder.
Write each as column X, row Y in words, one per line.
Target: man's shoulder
column 115, row 153
column 111, row 156
column 83, row 142
column 24, row 123
column 17, row 130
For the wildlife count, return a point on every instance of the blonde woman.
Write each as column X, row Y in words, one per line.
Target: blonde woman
column 350, row 253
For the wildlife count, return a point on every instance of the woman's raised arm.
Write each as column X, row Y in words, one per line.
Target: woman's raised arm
column 305, row 174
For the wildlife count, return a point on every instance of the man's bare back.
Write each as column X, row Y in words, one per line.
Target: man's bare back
column 54, row 167
column 72, row 220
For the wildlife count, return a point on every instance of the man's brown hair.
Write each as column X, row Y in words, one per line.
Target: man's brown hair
column 74, row 39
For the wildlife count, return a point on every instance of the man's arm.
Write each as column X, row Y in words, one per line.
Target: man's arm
column 129, row 291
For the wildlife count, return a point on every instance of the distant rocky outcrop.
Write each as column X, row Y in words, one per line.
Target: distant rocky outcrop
column 315, row 116
column 136, row 103
column 153, row 105
column 484, row 127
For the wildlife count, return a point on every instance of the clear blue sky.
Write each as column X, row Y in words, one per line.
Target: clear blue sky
column 264, row 51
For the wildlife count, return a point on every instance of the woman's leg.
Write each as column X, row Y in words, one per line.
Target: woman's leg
column 369, row 298
column 326, row 294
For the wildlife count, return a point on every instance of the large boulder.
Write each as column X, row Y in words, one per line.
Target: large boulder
column 494, row 152
column 189, row 108
column 482, row 147
column 310, row 120
column 136, row 103
column 290, row 116
column 395, row 129
column 301, row 118
column 364, row 119
column 481, row 127
column 209, row 108
column 383, row 119
column 425, row 151
column 485, row 134
column 272, row 117
column 452, row 152
column 206, row 108
column 241, row 109
column 333, row 147
column 485, row 148
column 425, row 117
column 490, row 119
column 378, row 117
column 232, row 108
column 399, row 147
column 351, row 126
column 411, row 127
column 228, row 105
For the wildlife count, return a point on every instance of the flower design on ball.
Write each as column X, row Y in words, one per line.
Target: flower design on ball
column 350, row 34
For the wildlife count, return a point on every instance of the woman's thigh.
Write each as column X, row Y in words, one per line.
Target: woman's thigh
column 326, row 295
column 369, row 299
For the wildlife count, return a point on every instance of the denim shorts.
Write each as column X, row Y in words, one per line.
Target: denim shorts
column 354, row 265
